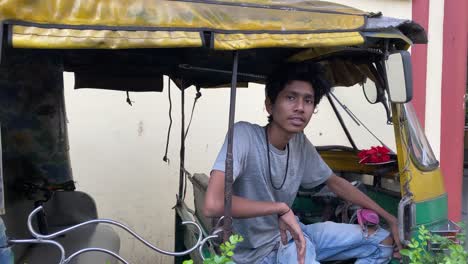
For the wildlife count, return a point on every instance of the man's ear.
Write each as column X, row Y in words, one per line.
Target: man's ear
column 268, row 105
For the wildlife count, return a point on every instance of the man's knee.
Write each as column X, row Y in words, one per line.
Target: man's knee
column 371, row 230
column 388, row 241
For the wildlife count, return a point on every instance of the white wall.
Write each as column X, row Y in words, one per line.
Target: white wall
column 117, row 149
column 116, row 154
column 434, row 74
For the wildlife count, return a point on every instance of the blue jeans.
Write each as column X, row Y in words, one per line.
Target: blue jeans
column 6, row 255
column 332, row 241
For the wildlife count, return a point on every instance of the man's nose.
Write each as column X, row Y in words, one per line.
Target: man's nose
column 299, row 105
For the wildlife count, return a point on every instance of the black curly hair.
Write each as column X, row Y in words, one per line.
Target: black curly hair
column 312, row 73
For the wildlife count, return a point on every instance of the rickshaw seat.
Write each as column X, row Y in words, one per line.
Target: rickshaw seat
column 100, row 236
column 200, row 185
column 69, row 208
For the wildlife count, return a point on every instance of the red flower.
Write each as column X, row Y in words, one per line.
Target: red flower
column 375, row 154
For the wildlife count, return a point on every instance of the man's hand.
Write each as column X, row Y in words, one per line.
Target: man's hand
column 288, row 222
column 348, row 192
column 393, row 222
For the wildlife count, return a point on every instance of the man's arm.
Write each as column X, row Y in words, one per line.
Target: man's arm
column 245, row 208
column 241, row 207
column 347, row 191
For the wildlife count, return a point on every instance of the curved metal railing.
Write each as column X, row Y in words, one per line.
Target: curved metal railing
column 48, row 239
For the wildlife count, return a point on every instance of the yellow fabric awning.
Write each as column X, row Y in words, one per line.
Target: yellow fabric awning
column 123, row 24
column 53, row 38
column 250, row 41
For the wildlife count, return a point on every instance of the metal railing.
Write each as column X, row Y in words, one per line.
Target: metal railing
column 48, row 239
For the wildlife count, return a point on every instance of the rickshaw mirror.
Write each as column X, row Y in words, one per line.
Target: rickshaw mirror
column 399, row 77
column 370, row 91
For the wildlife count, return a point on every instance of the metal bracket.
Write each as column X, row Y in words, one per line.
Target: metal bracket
column 406, row 200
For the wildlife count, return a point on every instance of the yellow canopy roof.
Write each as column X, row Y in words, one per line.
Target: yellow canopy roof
column 233, row 25
column 135, row 38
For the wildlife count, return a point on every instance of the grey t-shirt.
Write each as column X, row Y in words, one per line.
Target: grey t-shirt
column 252, row 181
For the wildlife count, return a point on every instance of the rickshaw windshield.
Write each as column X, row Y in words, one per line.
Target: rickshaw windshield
column 326, row 130
column 420, row 149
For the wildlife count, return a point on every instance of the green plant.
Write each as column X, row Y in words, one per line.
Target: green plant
column 227, row 251
column 449, row 251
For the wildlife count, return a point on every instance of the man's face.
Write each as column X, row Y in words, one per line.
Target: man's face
column 293, row 107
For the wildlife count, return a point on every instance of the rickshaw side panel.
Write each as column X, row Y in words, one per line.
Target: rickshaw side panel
column 432, row 211
column 36, row 163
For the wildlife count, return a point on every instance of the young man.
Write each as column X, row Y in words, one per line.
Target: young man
column 270, row 164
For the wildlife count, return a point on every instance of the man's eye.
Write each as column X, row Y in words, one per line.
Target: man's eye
column 309, row 101
column 290, row 97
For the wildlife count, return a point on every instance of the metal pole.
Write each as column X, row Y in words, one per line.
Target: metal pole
column 179, row 231
column 182, row 149
column 228, row 180
column 343, row 125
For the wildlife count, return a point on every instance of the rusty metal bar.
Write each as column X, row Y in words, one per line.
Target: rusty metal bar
column 228, row 180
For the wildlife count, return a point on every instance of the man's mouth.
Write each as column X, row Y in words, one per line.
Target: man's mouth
column 297, row 121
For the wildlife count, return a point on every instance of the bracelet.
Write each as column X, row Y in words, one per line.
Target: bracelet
column 280, row 215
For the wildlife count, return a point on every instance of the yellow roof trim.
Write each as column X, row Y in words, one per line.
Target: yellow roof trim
column 54, row 38
column 251, row 41
column 312, row 6
column 177, row 15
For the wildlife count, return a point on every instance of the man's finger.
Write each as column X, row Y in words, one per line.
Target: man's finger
column 301, row 249
column 397, row 242
column 397, row 255
column 300, row 246
column 284, row 236
column 396, row 238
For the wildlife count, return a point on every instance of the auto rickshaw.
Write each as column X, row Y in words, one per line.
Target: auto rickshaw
column 131, row 45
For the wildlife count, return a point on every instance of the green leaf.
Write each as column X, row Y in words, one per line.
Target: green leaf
column 218, row 259
column 209, row 261
column 227, row 249
column 233, row 239
column 405, row 252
